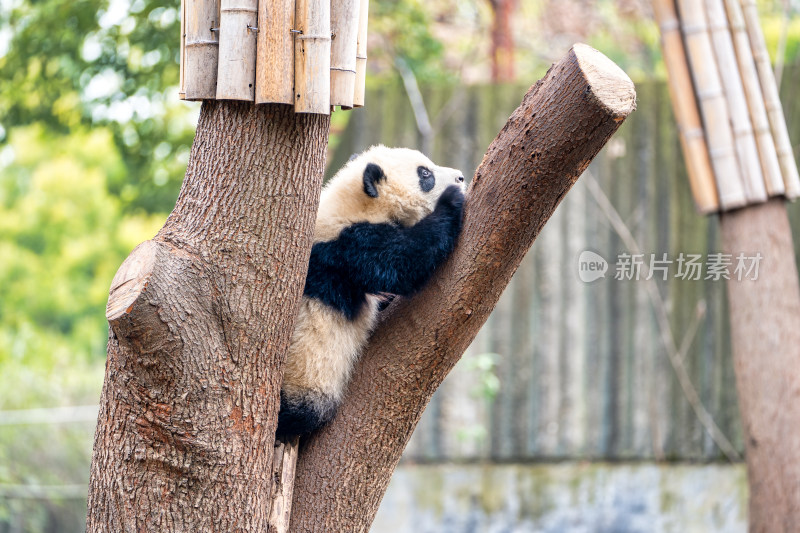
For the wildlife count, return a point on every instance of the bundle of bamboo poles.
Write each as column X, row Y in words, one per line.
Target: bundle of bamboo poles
column 732, row 128
column 308, row 53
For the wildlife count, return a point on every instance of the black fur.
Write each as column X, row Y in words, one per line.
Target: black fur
column 385, row 301
column 373, row 258
column 426, row 179
column 373, row 175
column 304, row 416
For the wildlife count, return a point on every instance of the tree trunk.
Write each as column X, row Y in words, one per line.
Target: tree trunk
column 199, row 321
column 502, row 40
column 564, row 120
column 765, row 330
column 200, row 317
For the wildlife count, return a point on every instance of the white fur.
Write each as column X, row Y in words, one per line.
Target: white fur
column 343, row 201
column 325, row 344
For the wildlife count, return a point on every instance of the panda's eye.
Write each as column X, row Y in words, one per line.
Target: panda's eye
column 426, row 179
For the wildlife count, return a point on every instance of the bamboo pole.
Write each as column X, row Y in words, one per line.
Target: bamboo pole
column 716, row 119
column 236, row 76
column 361, row 54
column 182, row 60
column 770, row 167
column 693, row 143
column 746, row 151
column 275, row 52
column 345, row 26
column 201, row 49
column 312, row 57
column 772, row 100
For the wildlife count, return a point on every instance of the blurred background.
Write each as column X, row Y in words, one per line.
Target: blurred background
column 566, row 413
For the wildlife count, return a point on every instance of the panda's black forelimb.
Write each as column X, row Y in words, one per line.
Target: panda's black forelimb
column 371, row 258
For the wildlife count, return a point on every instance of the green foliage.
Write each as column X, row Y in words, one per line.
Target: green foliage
column 63, row 234
column 93, row 63
column 404, row 29
column 62, row 237
column 482, row 371
column 772, row 23
column 484, row 368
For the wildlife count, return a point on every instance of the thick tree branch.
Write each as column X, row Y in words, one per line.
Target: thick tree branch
column 546, row 144
column 200, row 318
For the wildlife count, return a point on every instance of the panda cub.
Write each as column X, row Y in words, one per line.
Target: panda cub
column 386, row 220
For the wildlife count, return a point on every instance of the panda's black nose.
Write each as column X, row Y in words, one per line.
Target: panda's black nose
column 460, row 179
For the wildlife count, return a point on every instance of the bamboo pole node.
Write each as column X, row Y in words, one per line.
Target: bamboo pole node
column 711, row 92
column 690, row 29
column 344, row 49
column 310, row 54
column 687, row 114
column 275, row 52
column 237, row 50
column 695, row 133
column 730, row 120
column 361, row 54
column 669, row 25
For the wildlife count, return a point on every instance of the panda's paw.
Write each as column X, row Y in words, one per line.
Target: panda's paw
column 452, row 199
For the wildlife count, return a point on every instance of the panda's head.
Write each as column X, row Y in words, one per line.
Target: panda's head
column 397, row 185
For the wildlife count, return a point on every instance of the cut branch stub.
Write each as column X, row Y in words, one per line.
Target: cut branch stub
column 130, row 280
column 563, row 121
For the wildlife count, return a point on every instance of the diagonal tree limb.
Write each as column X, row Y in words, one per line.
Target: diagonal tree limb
column 562, row 123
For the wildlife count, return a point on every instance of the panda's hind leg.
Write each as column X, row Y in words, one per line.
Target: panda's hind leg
column 305, row 414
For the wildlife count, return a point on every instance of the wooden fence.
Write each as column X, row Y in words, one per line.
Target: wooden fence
column 582, row 369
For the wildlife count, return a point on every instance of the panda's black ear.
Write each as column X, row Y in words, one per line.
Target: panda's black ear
column 373, row 174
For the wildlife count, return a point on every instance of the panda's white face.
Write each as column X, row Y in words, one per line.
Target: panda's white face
column 380, row 185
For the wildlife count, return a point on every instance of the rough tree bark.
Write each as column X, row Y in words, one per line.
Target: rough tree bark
column 201, row 315
column 564, row 120
column 765, row 334
column 200, row 318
